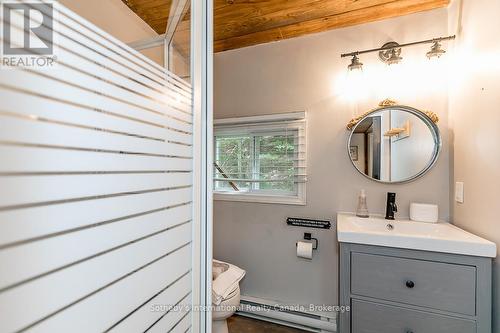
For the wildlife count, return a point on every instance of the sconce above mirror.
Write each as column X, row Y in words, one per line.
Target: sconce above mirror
column 390, row 53
column 394, row 143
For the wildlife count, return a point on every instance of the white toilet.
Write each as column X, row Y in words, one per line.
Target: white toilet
column 225, row 293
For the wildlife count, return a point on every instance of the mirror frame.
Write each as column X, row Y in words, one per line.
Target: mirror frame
column 429, row 118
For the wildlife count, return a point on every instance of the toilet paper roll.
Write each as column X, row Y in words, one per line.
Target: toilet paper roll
column 304, row 249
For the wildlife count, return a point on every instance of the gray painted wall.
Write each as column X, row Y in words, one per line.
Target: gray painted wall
column 303, row 74
column 475, row 115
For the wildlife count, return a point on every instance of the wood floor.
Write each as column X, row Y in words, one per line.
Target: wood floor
column 239, row 324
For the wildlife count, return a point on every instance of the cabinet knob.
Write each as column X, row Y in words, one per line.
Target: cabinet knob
column 410, row 284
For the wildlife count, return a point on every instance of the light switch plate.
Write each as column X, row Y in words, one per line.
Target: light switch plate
column 459, row 192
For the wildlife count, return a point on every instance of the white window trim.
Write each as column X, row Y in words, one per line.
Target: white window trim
column 272, row 121
column 300, row 115
column 300, row 199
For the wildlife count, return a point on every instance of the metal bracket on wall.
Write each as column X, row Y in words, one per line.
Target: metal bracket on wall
column 308, row 236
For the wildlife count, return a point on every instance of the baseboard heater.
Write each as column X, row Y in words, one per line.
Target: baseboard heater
column 269, row 311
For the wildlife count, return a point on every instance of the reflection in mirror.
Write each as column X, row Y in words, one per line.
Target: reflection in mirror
column 394, row 144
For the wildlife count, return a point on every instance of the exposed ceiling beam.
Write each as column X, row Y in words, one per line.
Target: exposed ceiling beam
column 248, row 17
column 364, row 15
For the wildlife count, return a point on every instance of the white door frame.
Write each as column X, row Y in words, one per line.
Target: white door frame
column 202, row 83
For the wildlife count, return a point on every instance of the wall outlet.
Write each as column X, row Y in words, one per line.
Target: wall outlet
column 459, row 192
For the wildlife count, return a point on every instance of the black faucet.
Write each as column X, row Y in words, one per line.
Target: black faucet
column 391, row 206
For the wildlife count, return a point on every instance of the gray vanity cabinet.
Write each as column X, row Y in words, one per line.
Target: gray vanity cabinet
column 392, row 290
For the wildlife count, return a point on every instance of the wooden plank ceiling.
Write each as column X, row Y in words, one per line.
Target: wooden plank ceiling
column 240, row 23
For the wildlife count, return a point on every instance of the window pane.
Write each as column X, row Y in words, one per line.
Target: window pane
column 234, row 158
column 276, row 161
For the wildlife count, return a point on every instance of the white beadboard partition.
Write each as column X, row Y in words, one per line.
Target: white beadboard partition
column 96, row 168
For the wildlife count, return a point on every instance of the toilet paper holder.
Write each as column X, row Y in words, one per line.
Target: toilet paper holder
column 308, row 236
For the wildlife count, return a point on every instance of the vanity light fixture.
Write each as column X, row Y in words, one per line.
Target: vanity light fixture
column 390, row 53
column 355, row 64
column 436, row 51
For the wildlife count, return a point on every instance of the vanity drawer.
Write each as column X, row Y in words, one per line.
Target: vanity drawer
column 370, row 317
column 442, row 286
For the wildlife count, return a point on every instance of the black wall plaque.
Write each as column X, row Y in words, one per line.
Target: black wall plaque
column 308, row 223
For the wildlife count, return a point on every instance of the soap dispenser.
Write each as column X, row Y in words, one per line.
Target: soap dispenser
column 362, row 210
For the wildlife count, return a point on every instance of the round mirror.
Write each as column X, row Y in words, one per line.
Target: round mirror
column 394, row 144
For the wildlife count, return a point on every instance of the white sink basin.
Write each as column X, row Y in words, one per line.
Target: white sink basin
column 436, row 237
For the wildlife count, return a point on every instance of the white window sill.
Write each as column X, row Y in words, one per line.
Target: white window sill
column 260, row 198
